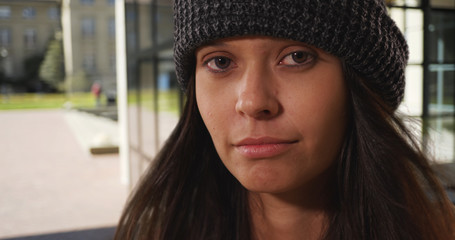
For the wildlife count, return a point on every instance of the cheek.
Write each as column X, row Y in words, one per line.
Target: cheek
column 322, row 116
column 331, row 127
column 213, row 109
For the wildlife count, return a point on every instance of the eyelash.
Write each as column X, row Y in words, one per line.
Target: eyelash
column 213, row 59
column 309, row 59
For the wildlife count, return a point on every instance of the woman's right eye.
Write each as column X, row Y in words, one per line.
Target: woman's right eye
column 218, row 64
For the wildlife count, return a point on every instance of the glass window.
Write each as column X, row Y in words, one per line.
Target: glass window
column 131, row 36
column 168, row 100
column 164, row 23
column 5, row 12
column 414, row 35
column 5, row 37
column 29, row 13
column 148, row 137
column 30, row 38
column 443, row 3
column 153, row 94
column 410, row 22
column 53, row 13
column 111, row 27
column 413, row 96
column 88, row 27
column 440, row 133
column 409, row 3
column 111, row 2
column 441, row 88
column 441, row 55
column 87, row 2
column 89, row 63
column 113, row 63
column 442, row 36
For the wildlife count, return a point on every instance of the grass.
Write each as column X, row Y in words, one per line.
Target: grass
column 168, row 101
column 46, row 101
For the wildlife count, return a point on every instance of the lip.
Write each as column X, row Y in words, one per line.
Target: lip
column 263, row 147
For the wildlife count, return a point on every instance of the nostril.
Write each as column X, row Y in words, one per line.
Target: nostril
column 257, row 102
column 265, row 114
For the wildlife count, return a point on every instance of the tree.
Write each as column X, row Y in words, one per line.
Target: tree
column 77, row 82
column 52, row 70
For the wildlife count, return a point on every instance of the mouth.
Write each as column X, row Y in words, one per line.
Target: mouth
column 264, row 147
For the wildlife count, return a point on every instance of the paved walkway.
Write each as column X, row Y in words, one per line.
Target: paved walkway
column 49, row 182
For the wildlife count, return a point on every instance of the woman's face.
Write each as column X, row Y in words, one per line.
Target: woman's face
column 276, row 110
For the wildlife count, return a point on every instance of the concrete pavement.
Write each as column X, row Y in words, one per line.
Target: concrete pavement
column 50, row 183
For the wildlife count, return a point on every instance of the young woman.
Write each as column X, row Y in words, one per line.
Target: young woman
column 289, row 130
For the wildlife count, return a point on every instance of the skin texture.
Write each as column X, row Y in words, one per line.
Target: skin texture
column 277, row 113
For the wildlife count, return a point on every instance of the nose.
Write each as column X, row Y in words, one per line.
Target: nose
column 257, row 95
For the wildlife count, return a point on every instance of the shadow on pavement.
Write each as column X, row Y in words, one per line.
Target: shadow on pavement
column 90, row 234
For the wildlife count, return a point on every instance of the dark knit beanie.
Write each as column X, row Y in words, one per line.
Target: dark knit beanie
column 360, row 32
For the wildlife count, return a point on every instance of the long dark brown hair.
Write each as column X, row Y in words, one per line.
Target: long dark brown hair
column 385, row 189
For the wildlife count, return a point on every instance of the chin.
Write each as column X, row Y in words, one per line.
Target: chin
column 264, row 177
column 266, row 185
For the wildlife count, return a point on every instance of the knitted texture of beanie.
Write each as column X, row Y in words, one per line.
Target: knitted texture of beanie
column 359, row 32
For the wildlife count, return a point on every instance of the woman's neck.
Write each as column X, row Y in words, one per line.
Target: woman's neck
column 301, row 214
column 274, row 219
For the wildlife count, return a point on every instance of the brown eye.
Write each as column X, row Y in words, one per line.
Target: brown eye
column 222, row 62
column 298, row 58
column 218, row 64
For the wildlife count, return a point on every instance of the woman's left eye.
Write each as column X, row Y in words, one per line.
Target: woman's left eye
column 218, row 64
column 298, row 58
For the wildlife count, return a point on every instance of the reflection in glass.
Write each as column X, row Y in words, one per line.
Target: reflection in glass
column 414, row 34
column 154, row 95
column 164, row 23
column 442, row 62
column 408, row 3
column 443, row 3
column 439, row 138
column 442, row 36
column 441, row 88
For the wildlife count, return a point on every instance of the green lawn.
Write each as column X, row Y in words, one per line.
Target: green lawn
column 46, row 101
column 167, row 100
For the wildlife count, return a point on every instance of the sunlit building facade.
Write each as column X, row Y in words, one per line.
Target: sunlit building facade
column 89, row 43
column 26, row 27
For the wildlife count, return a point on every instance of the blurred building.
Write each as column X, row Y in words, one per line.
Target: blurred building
column 26, row 27
column 89, row 43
